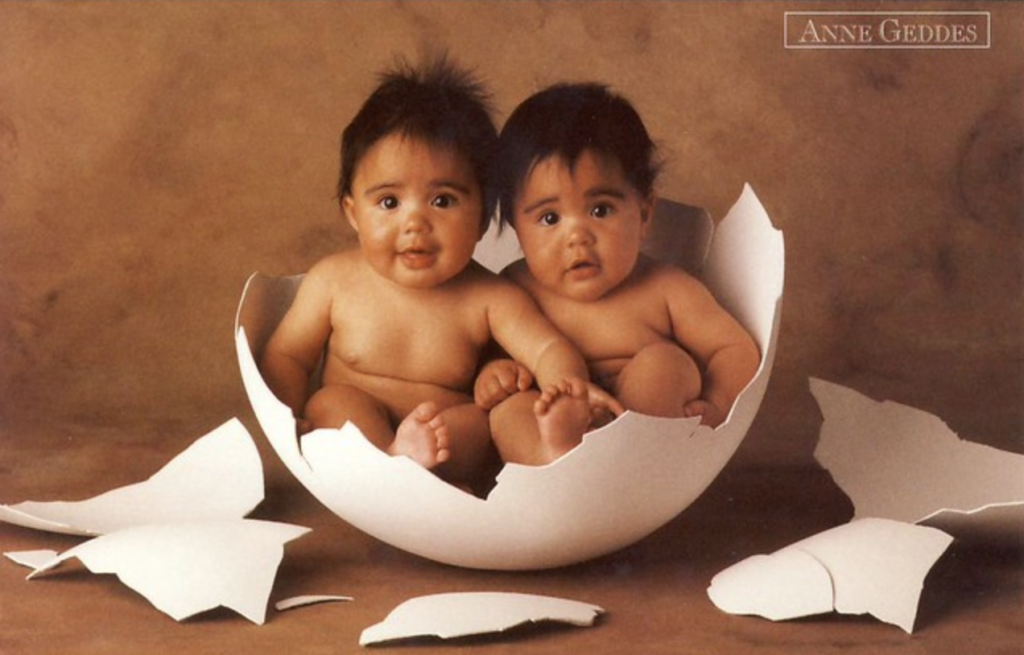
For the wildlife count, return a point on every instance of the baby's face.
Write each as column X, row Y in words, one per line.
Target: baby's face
column 580, row 229
column 416, row 209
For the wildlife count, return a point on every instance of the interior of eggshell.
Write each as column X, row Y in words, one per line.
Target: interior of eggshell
column 626, row 480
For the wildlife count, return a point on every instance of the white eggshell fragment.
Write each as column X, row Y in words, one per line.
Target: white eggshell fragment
column 869, row 566
column 899, row 462
column 448, row 616
column 219, row 476
column 187, row 568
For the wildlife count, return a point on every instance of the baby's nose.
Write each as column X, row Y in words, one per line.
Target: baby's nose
column 416, row 221
column 579, row 234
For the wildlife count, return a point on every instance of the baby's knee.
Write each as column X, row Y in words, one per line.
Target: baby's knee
column 660, row 380
column 668, row 356
column 321, row 401
column 515, row 408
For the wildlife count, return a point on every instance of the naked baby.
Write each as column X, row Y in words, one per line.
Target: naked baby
column 404, row 318
column 575, row 181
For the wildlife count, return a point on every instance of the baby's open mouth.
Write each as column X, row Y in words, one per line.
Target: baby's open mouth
column 583, row 269
column 417, row 256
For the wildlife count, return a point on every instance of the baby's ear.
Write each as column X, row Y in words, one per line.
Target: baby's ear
column 347, row 208
column 647, row 212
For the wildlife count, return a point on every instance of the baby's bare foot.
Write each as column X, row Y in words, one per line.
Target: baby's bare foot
column 563, row 415
column 422, row 437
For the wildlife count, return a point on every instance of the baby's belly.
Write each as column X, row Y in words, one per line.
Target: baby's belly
column 398, row 395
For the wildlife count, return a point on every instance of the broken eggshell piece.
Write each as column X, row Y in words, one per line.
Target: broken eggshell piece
column 896, row 461
column 219, row 476
column 869, row 566
column 186, row 568
column 453, row 615
column 624, row 481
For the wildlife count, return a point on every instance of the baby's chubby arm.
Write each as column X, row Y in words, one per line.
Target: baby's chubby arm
column 294, row 350
column 722, row 347
column 518, row 325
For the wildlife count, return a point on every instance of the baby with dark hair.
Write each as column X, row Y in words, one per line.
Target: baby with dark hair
column 574, row 177
column 404, row 318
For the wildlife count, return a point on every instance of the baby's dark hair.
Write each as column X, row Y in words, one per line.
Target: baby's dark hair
column 438, row 103
column 565, row 120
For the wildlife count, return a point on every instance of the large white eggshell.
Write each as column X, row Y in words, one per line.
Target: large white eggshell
column 626, row 480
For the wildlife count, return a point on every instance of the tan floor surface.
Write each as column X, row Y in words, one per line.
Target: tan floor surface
column 654, row 592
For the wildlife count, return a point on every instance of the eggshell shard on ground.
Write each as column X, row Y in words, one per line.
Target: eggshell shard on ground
column 304, row 601
column 187, row 568
column 33, row 559
column 219, row 476
column 454, row 615
column 788, row 584
column 898, row 462
column 626, row 480
column 868, row 566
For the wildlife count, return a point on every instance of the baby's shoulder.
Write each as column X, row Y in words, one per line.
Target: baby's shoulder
column 667, row 281
column 334, row 270
column 334, row 264
column 486, row 284
column 330, row 276
column 655, row 272
column 517, row 271
column 486, row 291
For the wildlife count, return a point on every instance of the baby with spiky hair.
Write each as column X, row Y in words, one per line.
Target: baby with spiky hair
column 575, row 176
column 405, row 317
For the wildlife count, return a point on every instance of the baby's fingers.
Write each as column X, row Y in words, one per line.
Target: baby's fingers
column 601, row 399
column 524, row 379
column 488, row 392
column 709, row 413
column 514, row 378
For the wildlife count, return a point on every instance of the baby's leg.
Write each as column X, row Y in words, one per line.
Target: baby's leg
column 454, row 441
column 563, row 415
column 421, row 436
column 514, row 429
column 331, row 406
column 457, row 436
column 537, row 428
column 472, row 460
column 659, row 381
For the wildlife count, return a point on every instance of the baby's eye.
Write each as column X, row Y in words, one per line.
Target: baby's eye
column 602, row 210
column 444, row 201
column 549, row 218
column 388, row 202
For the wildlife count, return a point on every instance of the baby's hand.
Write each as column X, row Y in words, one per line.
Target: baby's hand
column 498, row 380
column 709, row 413
column 603, row 406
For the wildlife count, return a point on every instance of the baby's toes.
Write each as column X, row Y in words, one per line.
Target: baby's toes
column 436, row 423
column 543, row 404
column 441, row 437
column 443, row 455
column 578, row 389
column 426, row 412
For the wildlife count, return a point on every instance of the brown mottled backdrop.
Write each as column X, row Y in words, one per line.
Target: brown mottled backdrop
column 153, row 154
